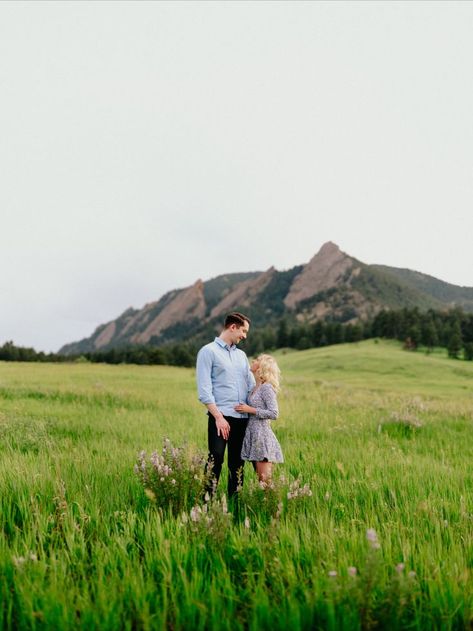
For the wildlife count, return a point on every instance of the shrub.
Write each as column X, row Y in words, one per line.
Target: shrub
column 174, row 479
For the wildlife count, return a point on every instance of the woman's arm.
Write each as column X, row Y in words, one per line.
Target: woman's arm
column 270, row 402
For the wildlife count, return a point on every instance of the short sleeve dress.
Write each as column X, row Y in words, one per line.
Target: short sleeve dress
column 260, row 444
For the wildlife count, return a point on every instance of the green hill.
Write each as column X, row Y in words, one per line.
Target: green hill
column 380, row 366
column 442, row 292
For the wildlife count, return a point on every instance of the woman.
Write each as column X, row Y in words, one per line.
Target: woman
column 260, row 445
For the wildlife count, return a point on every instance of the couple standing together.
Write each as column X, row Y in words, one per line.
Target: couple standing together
column 241, row 402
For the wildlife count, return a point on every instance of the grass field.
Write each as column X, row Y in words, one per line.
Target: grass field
column 383, row 437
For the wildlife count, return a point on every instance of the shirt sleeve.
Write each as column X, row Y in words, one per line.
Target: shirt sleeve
column 250, row 380
column 204, row 376
column 271, row 409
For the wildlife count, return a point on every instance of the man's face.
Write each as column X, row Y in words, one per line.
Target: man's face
column 239, row 333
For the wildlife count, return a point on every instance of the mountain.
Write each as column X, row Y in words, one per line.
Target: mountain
column 446, row 293
column 331, row 286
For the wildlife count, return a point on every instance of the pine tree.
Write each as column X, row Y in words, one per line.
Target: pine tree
column 283, row 334
column 455, row 341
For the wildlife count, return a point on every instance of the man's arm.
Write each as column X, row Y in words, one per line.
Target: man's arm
column 250, row 379
column 205, row 390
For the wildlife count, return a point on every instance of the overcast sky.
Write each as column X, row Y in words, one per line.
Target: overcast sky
column 144, row 145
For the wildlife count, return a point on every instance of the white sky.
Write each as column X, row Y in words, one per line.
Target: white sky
column 145, row 145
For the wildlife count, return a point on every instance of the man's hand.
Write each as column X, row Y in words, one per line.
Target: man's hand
column 223, row 427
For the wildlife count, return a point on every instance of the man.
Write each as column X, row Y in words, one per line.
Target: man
column 224, row 381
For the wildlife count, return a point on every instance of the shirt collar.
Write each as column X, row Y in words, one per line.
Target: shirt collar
column 223, row 344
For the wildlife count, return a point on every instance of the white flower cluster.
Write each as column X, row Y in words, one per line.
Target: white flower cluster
column 296, row 490
column 31, row 557
column 208, row 512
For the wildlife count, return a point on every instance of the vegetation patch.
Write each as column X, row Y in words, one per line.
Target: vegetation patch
column 358, row 530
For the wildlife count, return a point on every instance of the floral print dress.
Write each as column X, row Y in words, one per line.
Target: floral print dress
column 260, row 443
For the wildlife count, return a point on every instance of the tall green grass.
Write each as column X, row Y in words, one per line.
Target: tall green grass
column 382, row 436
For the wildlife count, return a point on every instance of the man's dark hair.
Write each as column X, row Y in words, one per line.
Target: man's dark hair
column 236, row 318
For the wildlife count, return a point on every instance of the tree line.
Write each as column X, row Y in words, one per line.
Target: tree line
column 452, row 330
column 181, row 354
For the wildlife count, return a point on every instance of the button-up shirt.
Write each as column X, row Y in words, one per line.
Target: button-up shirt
column 223, row 377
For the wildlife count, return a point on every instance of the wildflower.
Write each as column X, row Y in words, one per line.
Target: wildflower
column 247, row 522
column 327, row 496
column 184, row 518
column 411, row 574
column 195, row 513
column 400, row 568
column 207, row 497
column 352, row 571
column 373, row 539
column 306, row 490
column 224, row 505
column 18, row 561
column 371, row 535
column 173, row 481
column 332, row 573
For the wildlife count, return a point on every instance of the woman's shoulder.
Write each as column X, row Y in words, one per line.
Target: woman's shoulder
column 267, row 387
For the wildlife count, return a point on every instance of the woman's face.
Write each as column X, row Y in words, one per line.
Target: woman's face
column 254, row 366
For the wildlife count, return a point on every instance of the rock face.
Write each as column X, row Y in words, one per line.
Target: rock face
column 325, row 270
column 189, row 303
column 106, row 336
column 244, row 293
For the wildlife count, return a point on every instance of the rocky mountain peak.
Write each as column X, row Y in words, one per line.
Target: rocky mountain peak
column 323, row 271
column 328, row 248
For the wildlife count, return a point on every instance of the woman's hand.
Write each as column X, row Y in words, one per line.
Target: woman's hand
column 246, row 409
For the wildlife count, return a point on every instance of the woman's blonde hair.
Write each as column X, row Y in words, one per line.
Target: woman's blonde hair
column 268, row 370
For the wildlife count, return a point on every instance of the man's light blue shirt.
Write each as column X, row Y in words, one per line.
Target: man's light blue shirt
column 223, row 377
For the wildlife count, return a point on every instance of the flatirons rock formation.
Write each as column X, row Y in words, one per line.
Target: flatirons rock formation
column 244, row 294
column 187, row 304
column 332, row 285
column 324, row 271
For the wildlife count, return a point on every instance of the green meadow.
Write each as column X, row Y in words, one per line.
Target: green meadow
column 383, row 437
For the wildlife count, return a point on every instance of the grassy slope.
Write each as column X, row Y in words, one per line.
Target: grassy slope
column 114, row 564
column 383, row 366
column 438, row 289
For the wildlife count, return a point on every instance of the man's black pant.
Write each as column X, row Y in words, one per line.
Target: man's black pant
column 217, row 446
